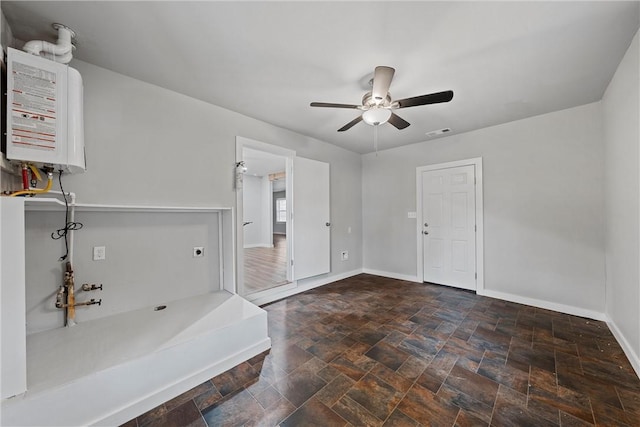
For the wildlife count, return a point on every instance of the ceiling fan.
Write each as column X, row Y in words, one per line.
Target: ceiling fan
column 377, row 105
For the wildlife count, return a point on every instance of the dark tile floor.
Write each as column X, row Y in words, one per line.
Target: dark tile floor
column 371, row 351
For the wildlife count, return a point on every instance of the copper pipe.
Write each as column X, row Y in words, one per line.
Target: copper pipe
column 92, row 301
column 68, row 291
column 71, row 298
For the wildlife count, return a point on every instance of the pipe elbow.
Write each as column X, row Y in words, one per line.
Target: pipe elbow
column 63, row 58
column 34, row 47
column 56, row 49
column 62, row 51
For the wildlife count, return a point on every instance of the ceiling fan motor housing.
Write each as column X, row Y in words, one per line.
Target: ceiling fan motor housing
column 368, row 101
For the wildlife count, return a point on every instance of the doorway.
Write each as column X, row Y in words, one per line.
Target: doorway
column 264, row 221
column 264, row 200
column 449, row 224
column 303, row 208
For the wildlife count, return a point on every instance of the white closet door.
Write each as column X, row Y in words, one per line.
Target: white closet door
column 311, row 218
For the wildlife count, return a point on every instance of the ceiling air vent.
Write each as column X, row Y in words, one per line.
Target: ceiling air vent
column 438, row 132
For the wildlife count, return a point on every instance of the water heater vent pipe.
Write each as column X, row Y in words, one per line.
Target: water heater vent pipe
column 61, row 52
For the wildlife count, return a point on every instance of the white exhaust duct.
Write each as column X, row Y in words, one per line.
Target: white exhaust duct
column 61, row 52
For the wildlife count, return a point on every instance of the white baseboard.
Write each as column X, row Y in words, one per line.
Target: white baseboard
column 303, row 285
column 398, row 276
column 258, row 245
column 547, row 305
column 633, row 357
column 568, row 309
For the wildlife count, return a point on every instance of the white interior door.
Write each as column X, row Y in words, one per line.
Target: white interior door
column 311, row 218
column 449, row 226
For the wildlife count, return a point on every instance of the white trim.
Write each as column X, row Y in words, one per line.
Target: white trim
column 477, row 162
column 547, row 305
column 221, row 251
column 228, row 265
column 54, row 204
column 267, row 293
column 633, row 357
column 258, row 245
column 390, row 275
column 302, row 286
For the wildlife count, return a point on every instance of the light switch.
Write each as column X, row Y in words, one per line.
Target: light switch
column 411, row 215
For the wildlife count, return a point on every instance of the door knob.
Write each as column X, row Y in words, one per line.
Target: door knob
column 425, row 232
column 426, row 225
column 328, row 224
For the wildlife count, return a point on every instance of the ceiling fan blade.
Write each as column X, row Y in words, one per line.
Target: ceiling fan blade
column 398, row 121
column 330, row 105
column 382, row 77
column 351, row 124
column 432, row 98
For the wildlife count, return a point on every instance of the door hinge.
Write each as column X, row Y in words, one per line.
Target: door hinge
column 476, row 276
column 475, row 228
column 291, row 262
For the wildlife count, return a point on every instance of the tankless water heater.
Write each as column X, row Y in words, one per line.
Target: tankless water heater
column 44, row 112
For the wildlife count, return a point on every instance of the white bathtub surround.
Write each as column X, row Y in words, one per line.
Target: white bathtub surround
column 123, row 358
column 110, row 370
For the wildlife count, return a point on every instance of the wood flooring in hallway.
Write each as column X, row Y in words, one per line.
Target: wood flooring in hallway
column 265, row 268
column 372, row 351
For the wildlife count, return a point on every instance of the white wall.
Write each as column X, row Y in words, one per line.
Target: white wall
column 150, row 146
column 254, row 197
column 265, row 212
column 252, row 201
column 620, row 106
column 543, row 195
column 149, row 261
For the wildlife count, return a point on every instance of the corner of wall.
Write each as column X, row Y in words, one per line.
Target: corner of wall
column 620, row 109
column 9, row 175
column 632, row 355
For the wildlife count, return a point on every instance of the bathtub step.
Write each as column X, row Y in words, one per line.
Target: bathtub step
column 110, row 370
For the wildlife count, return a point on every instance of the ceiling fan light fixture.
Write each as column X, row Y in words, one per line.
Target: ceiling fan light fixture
column 378, row 104
column 376, row 116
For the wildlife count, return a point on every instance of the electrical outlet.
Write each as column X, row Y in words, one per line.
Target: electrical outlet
column 99, row 253
column 344, row 255
column 198, row 251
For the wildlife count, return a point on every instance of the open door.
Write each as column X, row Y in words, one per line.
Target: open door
column 311, row 218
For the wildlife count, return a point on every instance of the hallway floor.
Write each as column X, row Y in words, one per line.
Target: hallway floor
column 266, row 268
column 372, row 351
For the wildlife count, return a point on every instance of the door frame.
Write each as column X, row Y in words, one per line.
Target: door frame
column 241, row 143
column 477, row 162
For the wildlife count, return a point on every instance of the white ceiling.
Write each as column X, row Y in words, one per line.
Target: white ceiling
column 260, row 163
column 268, row 60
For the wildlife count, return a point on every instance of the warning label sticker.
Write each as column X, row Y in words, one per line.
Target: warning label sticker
column 34, row 107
